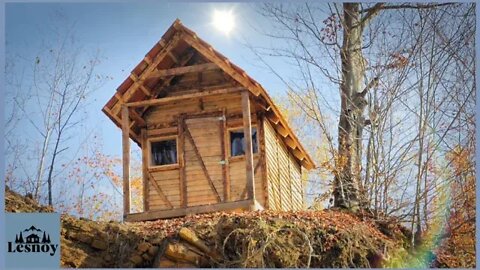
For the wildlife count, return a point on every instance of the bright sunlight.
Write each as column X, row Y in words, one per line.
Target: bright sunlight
column 224, row 21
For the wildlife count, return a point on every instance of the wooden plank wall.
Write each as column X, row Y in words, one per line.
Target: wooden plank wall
column 239, row 180
column 283, row 174
column 166, row 115
column 169, row 182
column 164, row 120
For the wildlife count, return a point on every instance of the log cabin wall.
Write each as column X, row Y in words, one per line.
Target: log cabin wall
column 199, row 128
column 285, row 188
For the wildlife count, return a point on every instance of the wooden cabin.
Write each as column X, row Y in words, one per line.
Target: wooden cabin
column 211, row 137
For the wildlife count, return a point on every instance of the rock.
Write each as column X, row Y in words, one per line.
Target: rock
column 113, row 228
column 102, row 235
column 146, row 257
column 99, row 244
column 83, row 237
column 142, row 247
column 153, row 250
column 136, row 259
column 157, row 240
column 108, row 258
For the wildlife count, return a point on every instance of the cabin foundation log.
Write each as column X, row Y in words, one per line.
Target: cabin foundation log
column 179, row 212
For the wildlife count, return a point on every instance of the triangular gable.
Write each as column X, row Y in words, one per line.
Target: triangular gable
column 147, row 78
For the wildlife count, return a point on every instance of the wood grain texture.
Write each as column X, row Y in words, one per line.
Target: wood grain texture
column 126, row 160
column 247, row 131
column 145, row 173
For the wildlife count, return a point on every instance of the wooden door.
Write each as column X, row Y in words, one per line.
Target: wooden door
column 204, row 160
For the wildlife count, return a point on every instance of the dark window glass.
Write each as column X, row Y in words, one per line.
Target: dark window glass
column 237, row 142
column 164, row 152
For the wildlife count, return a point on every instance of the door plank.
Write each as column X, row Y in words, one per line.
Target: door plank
column 202, row 164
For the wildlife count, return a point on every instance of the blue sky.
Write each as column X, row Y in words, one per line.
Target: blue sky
column 125, row 32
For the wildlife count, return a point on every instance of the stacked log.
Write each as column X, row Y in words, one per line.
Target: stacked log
column 188, row 251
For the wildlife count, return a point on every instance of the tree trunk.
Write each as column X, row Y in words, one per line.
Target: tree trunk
column 50, row 171
column 353, row 103
column 40, row 171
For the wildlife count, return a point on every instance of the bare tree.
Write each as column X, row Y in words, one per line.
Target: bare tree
column 50, row 103
column 344, row 39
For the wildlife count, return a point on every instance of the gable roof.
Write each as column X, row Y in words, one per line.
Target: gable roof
column 138, row 87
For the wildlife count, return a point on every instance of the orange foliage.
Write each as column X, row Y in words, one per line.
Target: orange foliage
column 94, row 188
column 458, row 251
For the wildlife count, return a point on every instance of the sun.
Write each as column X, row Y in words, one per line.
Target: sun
column 224, row 21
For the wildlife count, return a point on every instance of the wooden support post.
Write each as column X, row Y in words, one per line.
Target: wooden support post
column 145, row 169
column 126, row 161
column 263, row 157
column 181, row 161
column 247, row 131
column 225, row 165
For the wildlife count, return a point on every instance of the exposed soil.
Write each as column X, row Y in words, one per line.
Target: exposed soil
column 249, row 239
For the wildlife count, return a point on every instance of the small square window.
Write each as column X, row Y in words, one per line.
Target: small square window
column 163, row 152
column 237, row 142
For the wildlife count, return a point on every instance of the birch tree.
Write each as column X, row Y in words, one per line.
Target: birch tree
column 50, row 102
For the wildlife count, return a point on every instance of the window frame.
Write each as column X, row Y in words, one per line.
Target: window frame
column 229, row 150
column 149, row 152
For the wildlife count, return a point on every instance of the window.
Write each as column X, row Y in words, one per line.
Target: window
column 163, row 152
column 237, row 142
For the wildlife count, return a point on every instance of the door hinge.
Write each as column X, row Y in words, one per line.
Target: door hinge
column 223, row 162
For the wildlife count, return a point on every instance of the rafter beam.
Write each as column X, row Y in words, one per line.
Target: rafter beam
column 117, row 119
column 160, row 101
column 173, row 57
column 166, row 82
column 183, row 70
column 137, row 118
column 139, row 84
column 282, row 130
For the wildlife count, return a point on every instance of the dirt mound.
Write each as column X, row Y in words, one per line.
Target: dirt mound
column 92, row 244
column 248, row 239
column 271, row 239
column 22, row 204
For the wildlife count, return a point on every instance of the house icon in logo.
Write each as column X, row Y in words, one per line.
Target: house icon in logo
column 33, row 239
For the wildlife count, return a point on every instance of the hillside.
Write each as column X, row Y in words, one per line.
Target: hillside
column 250, row 239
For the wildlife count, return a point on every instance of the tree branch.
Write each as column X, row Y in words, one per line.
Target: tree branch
column 371, row 12
column 373, row 83
column 382, row 6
